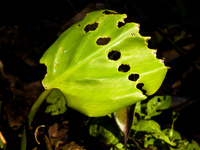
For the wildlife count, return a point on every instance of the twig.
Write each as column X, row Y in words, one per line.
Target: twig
column 136, row 143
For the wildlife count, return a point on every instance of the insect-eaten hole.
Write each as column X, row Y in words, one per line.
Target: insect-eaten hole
column 120, row 24
column 91, row 27
column 124, row 68
column 103, row 41
column 114, row 55
column 109, row 12
column 133, row 77
column 159, row 100
column 140, row 87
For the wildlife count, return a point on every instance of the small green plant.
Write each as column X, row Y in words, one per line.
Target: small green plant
column 98, row 66
column 145, row 133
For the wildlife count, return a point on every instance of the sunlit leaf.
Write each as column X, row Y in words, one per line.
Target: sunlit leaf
column 152, row 127
column 156, row 105
column 102, row 66
column 176, row 136
column 174, row 117
column 139, row 109
column 149, row 140
column 189, row 146
column 181, row 143
column 186, row 145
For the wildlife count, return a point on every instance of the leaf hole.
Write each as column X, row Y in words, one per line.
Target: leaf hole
column 124, row 68
column 91, row 27
column 103, row 41
column 140, row 87
column 109, row 12
column 120, row 24
column 114, row 55
column 133, row 77
column 159, row 100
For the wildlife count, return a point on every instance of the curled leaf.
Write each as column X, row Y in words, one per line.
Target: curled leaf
column 124, row 119
column 101, row 66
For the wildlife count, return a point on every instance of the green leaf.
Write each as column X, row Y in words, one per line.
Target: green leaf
column 106, row 129
column 156, row 105
column 191, row 146
column 174, row 117
column 152, row 127
column 183, row 144
column 149, row 140
column 101, row 66
column 175, row 136
column 120, row 146
column 56, row 103
column 139, row 108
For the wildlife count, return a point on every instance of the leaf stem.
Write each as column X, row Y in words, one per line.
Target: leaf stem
column 23, row 141
column 37, row 104
column 31, row 115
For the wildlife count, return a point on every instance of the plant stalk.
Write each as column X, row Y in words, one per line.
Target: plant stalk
column 37, row 104
column 32, row 113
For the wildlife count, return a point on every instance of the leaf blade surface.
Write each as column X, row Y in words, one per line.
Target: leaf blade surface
column 79, row 66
